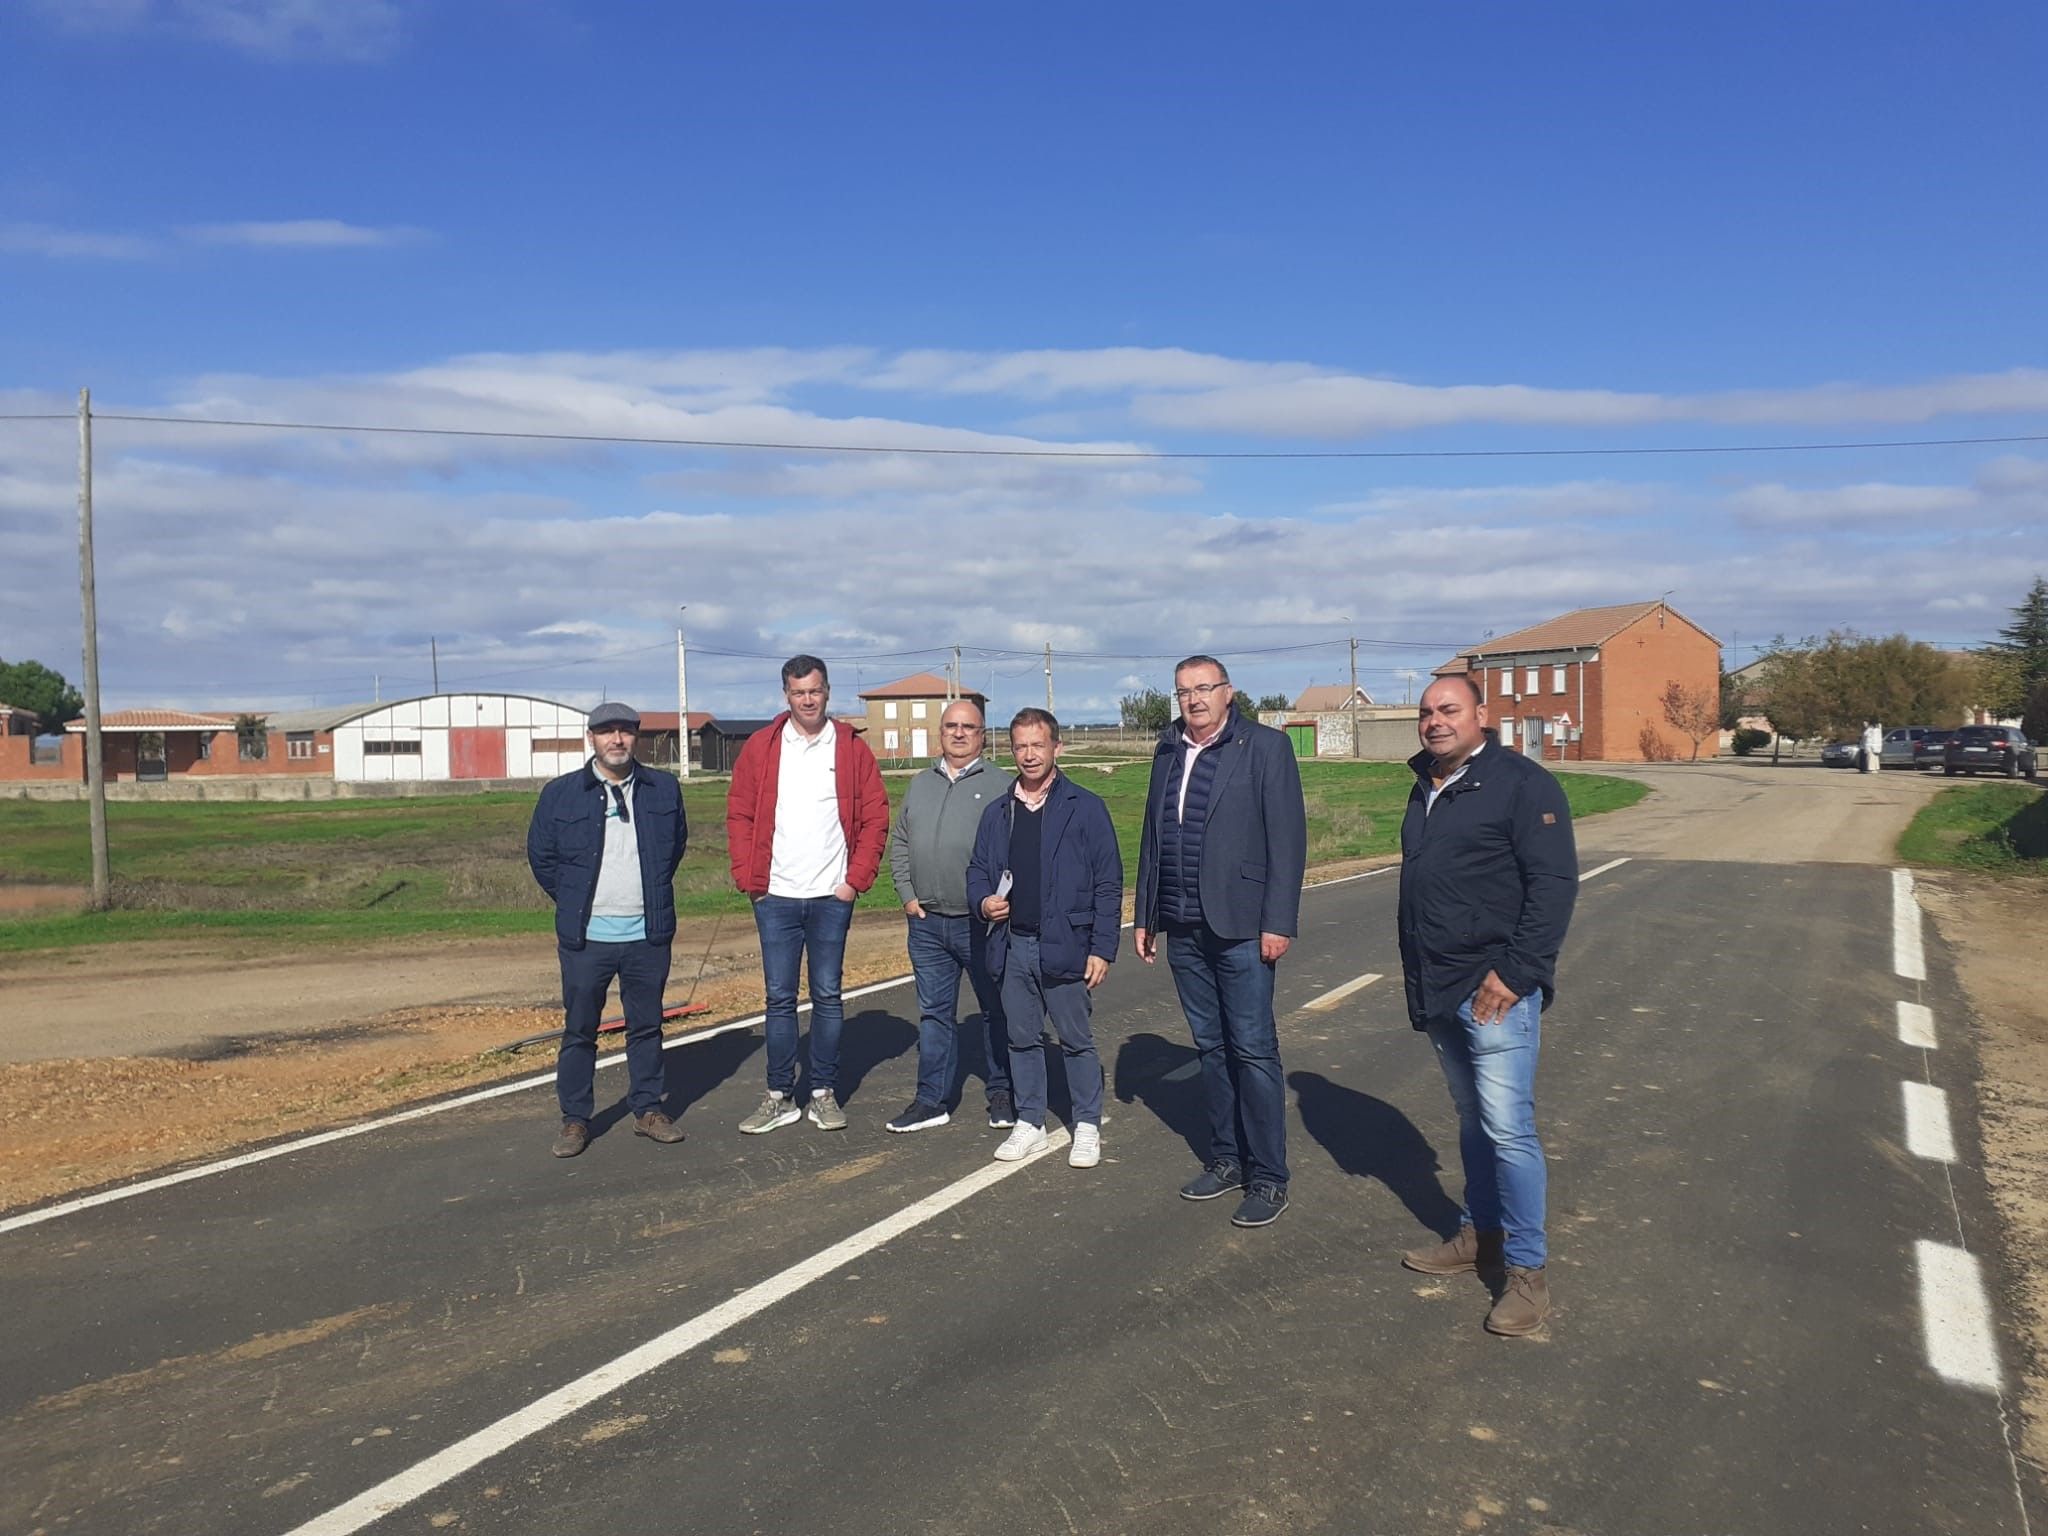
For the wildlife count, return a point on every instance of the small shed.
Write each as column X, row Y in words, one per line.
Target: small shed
column 719, row 742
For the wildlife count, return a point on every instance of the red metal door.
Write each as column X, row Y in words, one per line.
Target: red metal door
column 476, row 752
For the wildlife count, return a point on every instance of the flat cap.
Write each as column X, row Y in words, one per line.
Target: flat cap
column 611, row 712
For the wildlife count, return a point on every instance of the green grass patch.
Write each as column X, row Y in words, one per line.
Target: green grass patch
column 1993, row 828
column 353, row 870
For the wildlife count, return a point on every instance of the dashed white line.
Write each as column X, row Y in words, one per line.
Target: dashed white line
column 1908, row 958
column 1916, row 1025
column 1928, row 1131
column 423, row 1478
column 1955, row 1316
column 1336, row 995
column 1610, row 864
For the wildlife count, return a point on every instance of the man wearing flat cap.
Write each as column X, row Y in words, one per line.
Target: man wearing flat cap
column 604, row 844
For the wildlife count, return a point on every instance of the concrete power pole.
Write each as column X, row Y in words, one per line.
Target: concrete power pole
column 95, row 761
column 953, row 685
column 1048, row 677
column 1357, row 745
column 682, row 696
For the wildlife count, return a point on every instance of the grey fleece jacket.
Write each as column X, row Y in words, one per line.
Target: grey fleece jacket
column 933, row 837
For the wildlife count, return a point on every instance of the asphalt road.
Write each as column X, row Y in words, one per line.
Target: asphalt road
column 1737, row 1343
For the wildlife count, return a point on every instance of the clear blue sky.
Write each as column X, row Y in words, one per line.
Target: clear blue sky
column 1180, row 228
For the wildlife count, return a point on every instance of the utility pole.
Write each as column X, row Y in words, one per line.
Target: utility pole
column 1048, row 677
column 376, row 687
column 434, row 650
column 682, row 696
column 95, row 761
column 1357, row 743
column 953, row 688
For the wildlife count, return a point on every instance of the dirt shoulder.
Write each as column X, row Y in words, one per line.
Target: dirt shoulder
column 1994, row 927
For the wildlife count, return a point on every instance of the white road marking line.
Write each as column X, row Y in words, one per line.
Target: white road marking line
column 1916, row 1025
column 1955, row 1317
column 1336, row 995
column 1610, row 864
column 1928, row 1132
column 1908, row 959
column 396, row 1492
column 442, row 1106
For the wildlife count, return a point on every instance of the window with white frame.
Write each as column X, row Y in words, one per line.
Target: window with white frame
column 917, row 709
column 298, row 744
column 890, row 738
column 1557, row 679
column 1507, row 681
column 1529, row 679
column 889, row 712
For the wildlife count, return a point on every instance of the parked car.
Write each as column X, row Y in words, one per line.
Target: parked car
column 1931, row 750
column 1989, row 749
column 1902, row 745
column 1840, row 754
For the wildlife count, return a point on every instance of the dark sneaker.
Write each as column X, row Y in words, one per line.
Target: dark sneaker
column 574, row 1137
column 1523, row 1304
column 1261, row 1206
column 655, row 1125
column 1461, row 1255
column 1002, row 1111
column 1219, row 1178
column 921, row 1116
column 776, row 1109
column 826, row 1114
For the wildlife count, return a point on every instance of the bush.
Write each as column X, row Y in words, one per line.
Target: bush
column 1749, row 739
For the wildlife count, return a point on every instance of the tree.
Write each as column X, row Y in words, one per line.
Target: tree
column 32, row 686
column 2034, row 723
column 252, row 738
column 1149, row 710
column 1790, row 698
column 2018, row 658
column 1693, row 712
column 1894, row 681
column 1734, row 701
column 1275, row 701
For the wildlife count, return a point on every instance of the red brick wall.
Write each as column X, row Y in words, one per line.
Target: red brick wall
column 1622, row 692
column 15, row 764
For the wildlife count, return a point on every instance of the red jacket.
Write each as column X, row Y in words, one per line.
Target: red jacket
column 750, row 807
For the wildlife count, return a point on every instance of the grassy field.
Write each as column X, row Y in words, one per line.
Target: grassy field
column 1996, row 828
column 361, row 869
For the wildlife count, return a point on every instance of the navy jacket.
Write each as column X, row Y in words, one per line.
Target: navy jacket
column 565, row 844
column 1080, row 874
column 1488, row 880
column 1255, row 845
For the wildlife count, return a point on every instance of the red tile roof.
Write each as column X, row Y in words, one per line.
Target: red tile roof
column 158, row 720
column 919, row 685
column 1321, row 698
column 665, row 719
column 1582, row 629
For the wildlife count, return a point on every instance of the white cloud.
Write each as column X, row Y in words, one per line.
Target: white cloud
column 49, row 240
column 348, row 30
column 1851, row 505
column 302, row 234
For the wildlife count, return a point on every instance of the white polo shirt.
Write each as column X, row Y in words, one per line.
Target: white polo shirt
column 809, row 852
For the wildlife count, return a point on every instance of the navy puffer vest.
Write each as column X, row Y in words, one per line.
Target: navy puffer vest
column 1180, row 836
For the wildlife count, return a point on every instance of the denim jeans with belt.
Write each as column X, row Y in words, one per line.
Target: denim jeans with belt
column 942, row 947
column 1226, row 991
column 1491, row 1070
column 1030, row 998
column 587, row 973
column 792, row 927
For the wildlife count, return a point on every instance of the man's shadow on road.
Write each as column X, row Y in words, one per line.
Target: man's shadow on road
column 1166, row 1077
column 689, row 1073
column 1370, row 1139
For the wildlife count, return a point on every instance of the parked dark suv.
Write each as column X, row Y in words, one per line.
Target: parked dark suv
column 1931, row 750
column 1989, row 749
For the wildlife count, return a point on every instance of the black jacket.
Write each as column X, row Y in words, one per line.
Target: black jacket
column 1255, row 846
column 565, row 845
column 1488, row 880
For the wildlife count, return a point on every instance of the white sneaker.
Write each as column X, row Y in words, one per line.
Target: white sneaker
column 1086, row 1151
column 1021, row 1143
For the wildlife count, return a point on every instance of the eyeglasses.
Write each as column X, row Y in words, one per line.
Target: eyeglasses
column 1200, row 690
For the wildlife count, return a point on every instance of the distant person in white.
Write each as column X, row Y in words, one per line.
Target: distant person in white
column 1873, row 747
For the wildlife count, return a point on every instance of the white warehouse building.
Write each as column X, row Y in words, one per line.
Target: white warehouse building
column 460, row 736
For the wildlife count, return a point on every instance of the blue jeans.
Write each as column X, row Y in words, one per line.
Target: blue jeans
column 1491, row 1070
column 941, row 948
column 1030, row 998
column 642, row 971
column 1226, row 991
column 792, row 927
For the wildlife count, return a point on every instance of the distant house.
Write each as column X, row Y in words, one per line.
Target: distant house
column 1328, row 698
column 903, row 717
column 657, row 744
column 1589, row 685
column 26, row 756
column 719, row 742
column 17, row 722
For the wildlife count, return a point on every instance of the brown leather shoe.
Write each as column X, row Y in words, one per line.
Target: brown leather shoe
column 1460, row 1256
column 1523, row 1304
column 574, row 1138
column 656, row 1126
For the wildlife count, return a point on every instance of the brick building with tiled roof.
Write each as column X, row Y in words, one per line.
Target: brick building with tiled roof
column 903, row 716
column 1589, row 685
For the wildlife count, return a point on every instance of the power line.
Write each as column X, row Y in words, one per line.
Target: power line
column 1111, row 454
